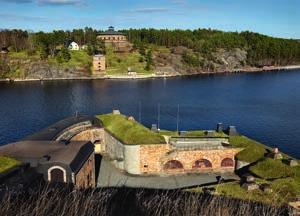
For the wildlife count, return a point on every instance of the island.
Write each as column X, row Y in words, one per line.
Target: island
column 140, row 53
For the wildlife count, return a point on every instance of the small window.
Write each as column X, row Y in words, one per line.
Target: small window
column 145, row 165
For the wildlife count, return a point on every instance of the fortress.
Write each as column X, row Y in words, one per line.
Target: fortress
column 116, row 39
column 64, row 152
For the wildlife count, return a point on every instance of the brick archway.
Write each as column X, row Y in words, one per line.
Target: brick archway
column 227, row 162
column 173, row 164
column 202, row 163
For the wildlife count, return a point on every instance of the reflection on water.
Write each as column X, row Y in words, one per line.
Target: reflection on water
column 263, row 106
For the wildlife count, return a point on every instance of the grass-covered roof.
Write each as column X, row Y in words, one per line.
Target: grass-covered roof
column 129, row 132
column 7, row 163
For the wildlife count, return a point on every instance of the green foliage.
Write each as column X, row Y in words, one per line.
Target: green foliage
column 44, row 52
column 129, row 132
column 262, row 50
column 271, row 169
column 7, row 163
column 63, row 55
column 253, row 150
column 191, row 59
column 149, row 60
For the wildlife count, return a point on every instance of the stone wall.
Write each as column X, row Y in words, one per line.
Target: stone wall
column 153, row 158
column 215, row 157
column 95, row 135
column 86, row 176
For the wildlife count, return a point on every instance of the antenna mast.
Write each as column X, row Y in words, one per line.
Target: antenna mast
column 140, row 111
column 158, row 115
column 177, row 118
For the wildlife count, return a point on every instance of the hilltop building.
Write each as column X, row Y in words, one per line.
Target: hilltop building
column 116, row 39
column 73, row 46
column 99, row 63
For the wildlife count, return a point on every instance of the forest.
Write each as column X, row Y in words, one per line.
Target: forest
column 261, row 49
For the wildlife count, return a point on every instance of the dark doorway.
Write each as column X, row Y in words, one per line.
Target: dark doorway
column 57, row 175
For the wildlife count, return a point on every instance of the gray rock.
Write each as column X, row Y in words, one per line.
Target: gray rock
column 293, row 163
column 232, row 131
column 250, row 186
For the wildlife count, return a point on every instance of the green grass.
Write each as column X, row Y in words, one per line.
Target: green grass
column 253, row 150
column 7, row 163
column 202, row 133
column 271, row 169
column 23, row 55
column 118, row 63
column 194, row 133
column 168, row 133
column 129, row 132
column 79, row 58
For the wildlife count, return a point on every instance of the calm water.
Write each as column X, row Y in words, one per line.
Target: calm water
column 265, row 106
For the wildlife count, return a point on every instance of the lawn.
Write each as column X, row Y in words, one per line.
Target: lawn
column 79, row 58
column 118, row 63
column 7, row 163
column 129, row 132
column 253, row 150
column 193, row 133
column 272, row 169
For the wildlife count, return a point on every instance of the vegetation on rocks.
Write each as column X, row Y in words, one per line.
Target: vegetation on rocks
column 173, row 52
column 129, row 131
column 7, row 163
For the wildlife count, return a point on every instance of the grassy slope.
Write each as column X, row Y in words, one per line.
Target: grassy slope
column 129, row 132
column 272, row 169
column 253, row 150
column 78, row 59
column 7, row 163
column 118, row 63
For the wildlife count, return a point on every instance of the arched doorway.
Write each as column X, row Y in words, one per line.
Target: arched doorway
column 227, row 162
column 173, row 164
column 202, row 163
column 56, row 174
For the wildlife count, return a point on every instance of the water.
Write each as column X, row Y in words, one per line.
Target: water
column 264, row 106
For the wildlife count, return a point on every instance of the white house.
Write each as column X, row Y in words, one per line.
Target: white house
column 73, row 46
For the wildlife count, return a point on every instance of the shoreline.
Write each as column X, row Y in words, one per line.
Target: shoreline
column 153, row 76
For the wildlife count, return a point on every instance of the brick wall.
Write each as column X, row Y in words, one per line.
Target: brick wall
column 153, row 158
column 86, row 175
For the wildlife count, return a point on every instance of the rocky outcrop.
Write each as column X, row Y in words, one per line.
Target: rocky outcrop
column 38, row 69
column 220, row 61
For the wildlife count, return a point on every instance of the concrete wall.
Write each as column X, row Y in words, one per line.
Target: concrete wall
column 132, row 159
column 114, row 149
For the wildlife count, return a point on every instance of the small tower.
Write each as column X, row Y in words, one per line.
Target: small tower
column 99, row 63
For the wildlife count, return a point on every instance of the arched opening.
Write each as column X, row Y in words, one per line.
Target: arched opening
column 227, row 162
column 173, row 164
column 202, row 163
column 57, row 174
